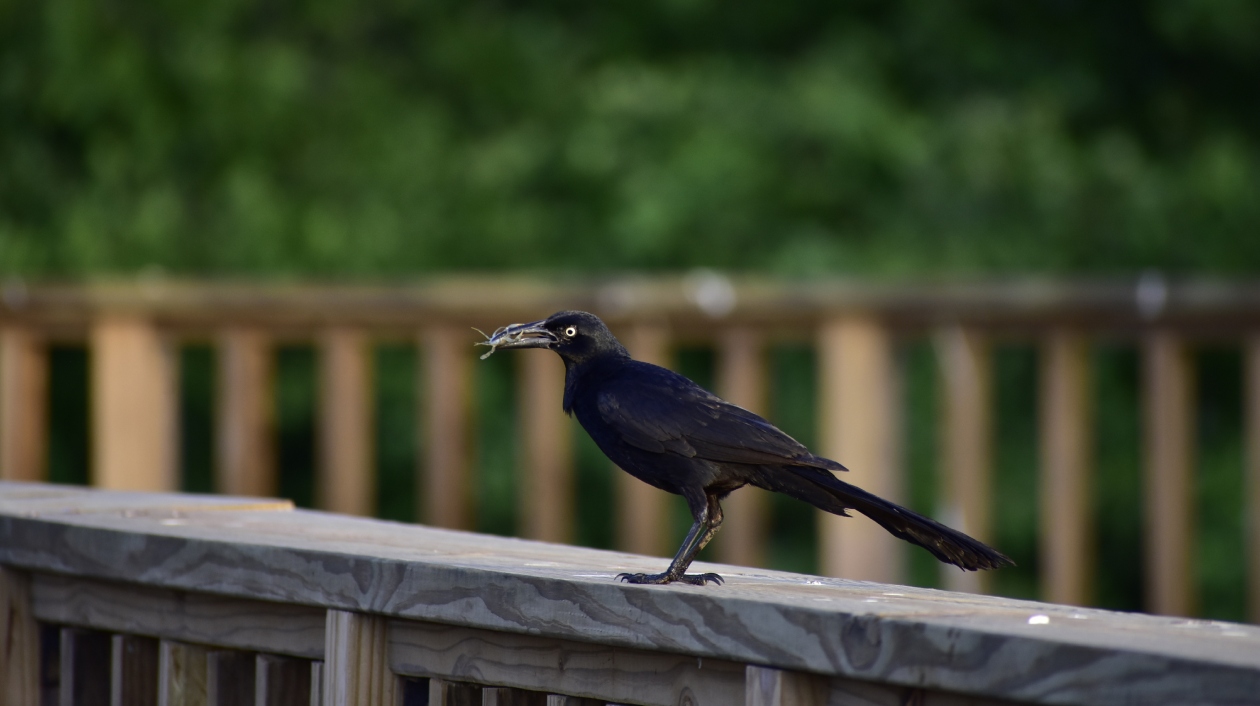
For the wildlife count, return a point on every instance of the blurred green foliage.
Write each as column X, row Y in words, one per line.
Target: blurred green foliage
column 345, row 139
column 338, row 139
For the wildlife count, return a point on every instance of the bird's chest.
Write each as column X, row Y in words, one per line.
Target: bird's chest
column 655, row 469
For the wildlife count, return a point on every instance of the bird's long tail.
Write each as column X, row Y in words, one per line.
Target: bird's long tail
column 823, row 490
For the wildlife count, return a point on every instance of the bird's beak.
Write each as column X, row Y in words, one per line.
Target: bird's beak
column 531, row 335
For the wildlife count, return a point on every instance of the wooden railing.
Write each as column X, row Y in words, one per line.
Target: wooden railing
column 146, row 599
column 855, row 327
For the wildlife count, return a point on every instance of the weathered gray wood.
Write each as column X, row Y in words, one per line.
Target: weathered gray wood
column 182, row 678
column 549, row 665
column 85, row 667
column 133, row 671
column 283, row 681
column 850, row 692
column 317, row 684
column 19, row 641
column 356, row 660
column 504, row 696
column 230, row 677
column 446, row 693
column 563, row 700
column 895, row 635
column 775, row 687
column 189, row 617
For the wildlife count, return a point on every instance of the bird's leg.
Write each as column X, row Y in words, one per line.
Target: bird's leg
column 702, row 530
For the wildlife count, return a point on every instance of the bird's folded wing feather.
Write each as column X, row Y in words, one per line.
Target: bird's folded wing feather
column 669, row 413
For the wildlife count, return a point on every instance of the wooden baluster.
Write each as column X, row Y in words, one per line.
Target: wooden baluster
column 356, row 660
column 764, row 686
column 245, row 462
column 19, row 650
column 966, row 444
column 1066, row 449
column 562, row 700
column 447, row 693
column 1168, row 379
column 284, row 681
column 134, row 671
column 858, row 398
column 181, row 674
column 444, row 485
column 501, row 696
column 317, row 685
column 23, row 405
column 230, row 678
column 741, row 380
column 85, row 665
column 347, row 479
column 135, row 411
column 1252, row 509
column 546, row 442
column 643, row 521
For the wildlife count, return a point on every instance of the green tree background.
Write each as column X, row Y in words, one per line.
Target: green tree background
column 332, row 139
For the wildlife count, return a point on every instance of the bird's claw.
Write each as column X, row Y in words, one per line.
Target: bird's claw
column 665, row 578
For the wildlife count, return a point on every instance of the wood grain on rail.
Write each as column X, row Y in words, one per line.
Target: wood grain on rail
column 980, row 645
column 220, row 621
column 562, row 666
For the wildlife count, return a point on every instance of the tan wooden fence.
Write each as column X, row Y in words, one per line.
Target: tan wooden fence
column 130, row 328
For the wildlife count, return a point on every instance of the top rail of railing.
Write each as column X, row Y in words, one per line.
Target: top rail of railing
column 696, row 301
column 979, row 645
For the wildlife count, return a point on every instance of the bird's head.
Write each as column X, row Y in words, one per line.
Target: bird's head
column 576, row 335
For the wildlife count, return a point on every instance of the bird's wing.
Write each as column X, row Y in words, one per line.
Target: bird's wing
column 663, row 412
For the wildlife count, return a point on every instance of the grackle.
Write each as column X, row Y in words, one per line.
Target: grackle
column 667, row 431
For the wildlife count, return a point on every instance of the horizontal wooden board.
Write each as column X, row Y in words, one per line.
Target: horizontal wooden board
column 562, row 666
column 201, row 307
column 219, row 621
column 984, row 646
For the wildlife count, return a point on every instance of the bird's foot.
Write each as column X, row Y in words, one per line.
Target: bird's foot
column 664, row 578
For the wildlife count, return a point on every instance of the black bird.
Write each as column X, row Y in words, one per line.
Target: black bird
column 669, row 432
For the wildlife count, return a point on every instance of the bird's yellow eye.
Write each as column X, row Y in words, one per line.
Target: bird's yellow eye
column 570, row 332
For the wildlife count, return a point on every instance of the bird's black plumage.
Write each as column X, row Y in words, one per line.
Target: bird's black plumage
column 669, row 432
